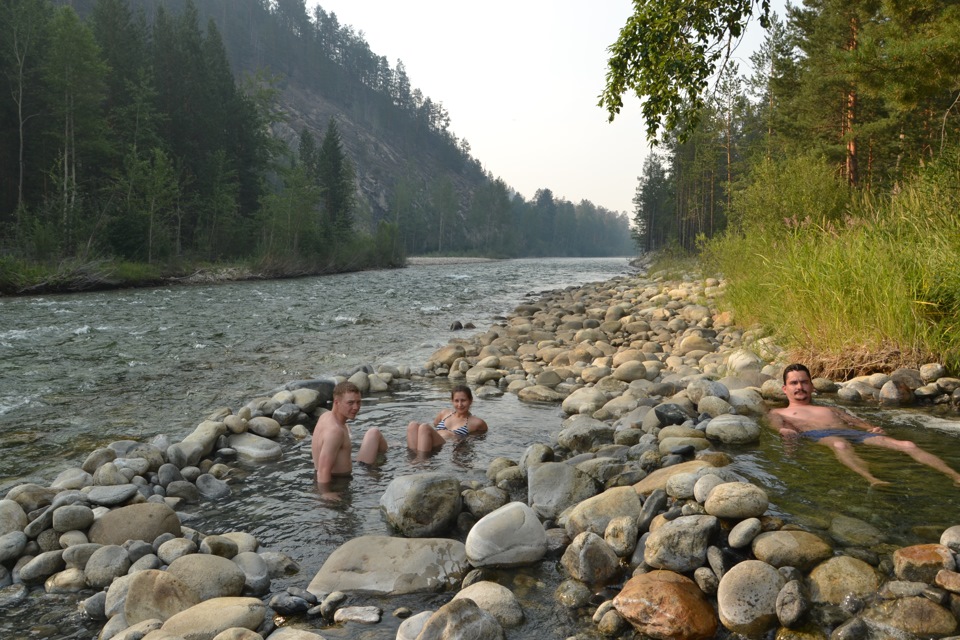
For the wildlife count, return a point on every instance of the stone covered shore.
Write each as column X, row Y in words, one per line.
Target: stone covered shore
column 632, row 497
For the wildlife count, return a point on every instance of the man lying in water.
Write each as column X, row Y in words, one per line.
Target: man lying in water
column 838, row 429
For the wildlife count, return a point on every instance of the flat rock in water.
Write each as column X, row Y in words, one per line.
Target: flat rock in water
column 253, row 447
column 388, row 565
column 207, row 619
column 111, row 496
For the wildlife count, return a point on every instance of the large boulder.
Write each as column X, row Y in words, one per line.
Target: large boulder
column 583, row 433
column 664, row 604
column 143, row 521
column 208, row 576
column 594, row 514
column 392, row 566
column 747, row 598
column 555, row 486
column 680, row 545
column 799, row 549
column 206, row 620
column 255, row 448
column 733, row 429
column 153, row 594
column 510, row 536
column 496, row 600
column 422, row 505
column 590, row 560
column 461, row 619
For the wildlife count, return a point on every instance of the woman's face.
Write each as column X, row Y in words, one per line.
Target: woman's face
column 461, row 402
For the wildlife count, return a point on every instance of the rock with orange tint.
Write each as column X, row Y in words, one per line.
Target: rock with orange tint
column 921, row 562
column 664, row 604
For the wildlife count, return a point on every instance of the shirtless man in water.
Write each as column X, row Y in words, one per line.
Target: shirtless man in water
column 838, row 429
column 331, row 437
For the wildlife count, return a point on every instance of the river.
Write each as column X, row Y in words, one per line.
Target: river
column 79, row 371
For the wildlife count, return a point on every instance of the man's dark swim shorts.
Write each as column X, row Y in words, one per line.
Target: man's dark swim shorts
column 854, row 436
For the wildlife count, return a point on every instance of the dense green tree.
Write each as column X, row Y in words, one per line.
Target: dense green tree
column 653, row 206
column 336, row 180
column 666, row 54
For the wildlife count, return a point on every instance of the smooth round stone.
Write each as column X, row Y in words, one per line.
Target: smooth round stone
column 139, row 466
column 250, row 446
column 72, row 517
column 208, row 576
column 509, row 536
column 66, row 581
column 243, row 540
column 42, row 567
column 95, row 606
column 168, row 473
column 495, row 599
column 212, row 488
column 736, row 500
column 73, row 478
column 744, row 532
column 362, row 615
column 12, row 545
column 665, row 604
column 175, row 548
column 704, row 485
column 109, row 496
column 191, row 473
column 145, row 563
column 255, row 570
column 219, row 546
column 108, row 475
column 106, row 564
column 747, row 598
column 143, row 521
column 72, row 538
column 76, row 556
column 185, row 490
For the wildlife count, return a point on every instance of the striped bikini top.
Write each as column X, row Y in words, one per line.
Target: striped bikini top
column 461, row 431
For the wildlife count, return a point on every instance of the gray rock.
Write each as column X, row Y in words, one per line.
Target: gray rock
column 72, row 478
column 733, row 429
column 510, row 536
column 747, row 598
column 209, row 618
column 168, row 473
column 594, row 514
column 208, row 576
column 621, row 535
column 107, row 563
column 792, row 603
column 97, row 458
column 496, row 600
column 255, row 571
column 589, row 559
column 461, row 619
column 184, row 490
column 361, row 615
column 12, row 545
column 143, row 521
column 31, row 496
column 252, row 447
column 411, row 627
column 12, row 517
column 112, row 496
column 212, row 488
column 535, row 454
column 109, row 475
column 480, row 502
column 744, row 532
column 555, row 486
column 736, row 500
column 72, row 517
column 156, row 595
column 422, row 505
column 583, row 433
column 681, row 544
column 388, row 565
column 176, row 548
column 78, row 555
column 42, row 567
column 219, row 546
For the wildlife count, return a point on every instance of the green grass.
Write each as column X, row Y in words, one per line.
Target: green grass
column 871, row 286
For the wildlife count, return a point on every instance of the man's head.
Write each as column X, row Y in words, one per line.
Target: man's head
column 797, row 384
column 346, row 400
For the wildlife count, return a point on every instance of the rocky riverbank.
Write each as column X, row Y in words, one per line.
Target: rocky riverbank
column 633, row 498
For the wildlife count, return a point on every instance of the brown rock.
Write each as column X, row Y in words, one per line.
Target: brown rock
column 664, row 604
column 143, row 521
column 949, row 580
column 156, row 594
column 915, row 614
column 798, row 549
column 658, row 479
column 833, row 580
column 921, row 562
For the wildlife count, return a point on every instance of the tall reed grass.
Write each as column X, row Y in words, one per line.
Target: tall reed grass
column 847, row 282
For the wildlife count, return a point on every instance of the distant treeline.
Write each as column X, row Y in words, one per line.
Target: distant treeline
column 124, row 134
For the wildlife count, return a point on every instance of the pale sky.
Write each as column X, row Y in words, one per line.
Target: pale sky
column 520, row 80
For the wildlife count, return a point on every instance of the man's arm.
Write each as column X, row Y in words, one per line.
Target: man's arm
column 781, row 425
column 325, row 455
column 854, row 421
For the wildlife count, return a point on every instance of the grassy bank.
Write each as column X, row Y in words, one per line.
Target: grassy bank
column 846, row 282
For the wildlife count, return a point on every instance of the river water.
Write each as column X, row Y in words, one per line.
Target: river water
column 79, row 371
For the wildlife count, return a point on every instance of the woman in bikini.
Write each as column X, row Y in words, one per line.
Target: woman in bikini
column 453, row 425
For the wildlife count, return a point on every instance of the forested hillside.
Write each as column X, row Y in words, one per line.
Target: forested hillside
column 822, row 179
column 171, row 132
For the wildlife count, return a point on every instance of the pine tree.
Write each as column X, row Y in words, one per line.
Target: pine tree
column 336, row 178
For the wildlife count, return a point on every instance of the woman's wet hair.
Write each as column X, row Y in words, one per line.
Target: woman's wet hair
column 462, row 388
column 796, row 366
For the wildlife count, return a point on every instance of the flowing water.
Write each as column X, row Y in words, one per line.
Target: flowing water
column 78, row 371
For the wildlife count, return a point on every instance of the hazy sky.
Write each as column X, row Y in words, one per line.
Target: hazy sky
column 520, row 80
